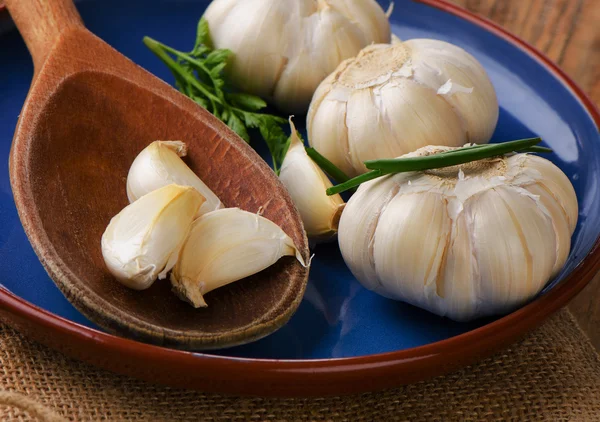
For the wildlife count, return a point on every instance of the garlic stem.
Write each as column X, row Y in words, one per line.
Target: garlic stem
column 354, row 182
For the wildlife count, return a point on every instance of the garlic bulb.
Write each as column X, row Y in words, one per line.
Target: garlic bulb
column 285, row 48
column 225, row 246
column 159, row 165
column 143, row 241
column 393, row 99
column 307, row 184
column 463, row 242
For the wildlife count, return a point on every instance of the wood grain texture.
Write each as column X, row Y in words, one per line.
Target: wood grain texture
column 568, row 32
column 41, row 22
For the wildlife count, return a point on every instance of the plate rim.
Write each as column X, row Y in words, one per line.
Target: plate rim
column 313, row 377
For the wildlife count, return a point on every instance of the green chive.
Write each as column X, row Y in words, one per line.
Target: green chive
column 352, row 183
column 443, row 159
column 450, row 158
column 327, row 166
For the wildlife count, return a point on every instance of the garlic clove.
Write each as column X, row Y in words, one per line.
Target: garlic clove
column 560, row 223
column 469, row 91
column 515, row 247
column 159, row 165
column 458, row 280
column 217, row 12
column 329, row 122
column 225, row 246
column 558, row 185
column 306, row 184
column 372, row 21
column 143, row 241
column 259, row 41
column 338, row 38
column 420, row 220
column 363, row 120
column 324, row 88
column 402, row 107
column 357, row 229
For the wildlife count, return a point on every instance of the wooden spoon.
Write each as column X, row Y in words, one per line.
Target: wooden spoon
column 89, row 112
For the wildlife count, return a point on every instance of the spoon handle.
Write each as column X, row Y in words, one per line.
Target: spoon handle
column 41, row 22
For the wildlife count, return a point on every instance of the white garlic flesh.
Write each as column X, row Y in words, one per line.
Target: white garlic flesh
column 393, row 99
column 283, row 49
column 463, row 242
column 142, row 242
column 225, row 246
column 306, row 184
column 159, row 165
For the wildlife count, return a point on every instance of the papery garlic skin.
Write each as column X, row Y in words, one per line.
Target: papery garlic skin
column 159, row 165
column 225, row 246
column 393, row 99
column 285, row 48
column 465, row 243
column 306, row 184
column 143, row 241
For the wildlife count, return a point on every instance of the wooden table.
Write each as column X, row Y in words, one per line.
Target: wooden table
column 567, row 31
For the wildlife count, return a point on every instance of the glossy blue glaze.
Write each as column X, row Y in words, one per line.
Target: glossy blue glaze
column 338, row 317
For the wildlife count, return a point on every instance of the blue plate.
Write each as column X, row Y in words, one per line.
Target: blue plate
column 338, row 317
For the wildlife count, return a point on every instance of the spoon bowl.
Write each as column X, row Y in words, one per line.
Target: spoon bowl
column 88, row 113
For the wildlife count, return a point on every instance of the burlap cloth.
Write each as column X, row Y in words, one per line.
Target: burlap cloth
column 552, row 375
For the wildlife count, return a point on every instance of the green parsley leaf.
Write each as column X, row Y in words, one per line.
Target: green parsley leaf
column 236, row 124
column 203, row 40
column 247, row 101
column 200, row 75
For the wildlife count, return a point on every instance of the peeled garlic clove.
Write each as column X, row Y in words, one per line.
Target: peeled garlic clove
column 143, row 241
column 224, row 246
column 159, row 165
column 306, row 184
column 396, row 98
column 466, row 241
column 284, row 49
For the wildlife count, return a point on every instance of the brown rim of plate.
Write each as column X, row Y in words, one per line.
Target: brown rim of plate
column 269, row 377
